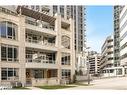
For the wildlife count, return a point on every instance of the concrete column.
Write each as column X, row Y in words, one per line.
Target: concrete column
column 58, row 43
column 22, row 68
column 72, row 48
column 123, row 71
column 65, row 12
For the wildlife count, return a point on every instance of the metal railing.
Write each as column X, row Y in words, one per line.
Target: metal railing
column 35, row 23
column 40, row 61
column 40, row 42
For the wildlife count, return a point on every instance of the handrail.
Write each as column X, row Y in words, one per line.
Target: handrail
column 40, row 61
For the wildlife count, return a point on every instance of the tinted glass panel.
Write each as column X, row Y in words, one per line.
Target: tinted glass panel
column 3, row 29
column 3, row 53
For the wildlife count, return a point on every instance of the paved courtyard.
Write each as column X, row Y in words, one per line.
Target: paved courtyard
column 118, row 83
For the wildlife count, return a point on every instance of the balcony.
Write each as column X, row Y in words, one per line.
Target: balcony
column 40, row 42
column 40, row 46
column 39, row 27
column 45, row 43
column 40, row 59
column 35, row 23
column 38, row 63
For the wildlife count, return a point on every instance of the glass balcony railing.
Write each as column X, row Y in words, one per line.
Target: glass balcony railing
column 40, row 61
column 45, row 43
column 35, row 23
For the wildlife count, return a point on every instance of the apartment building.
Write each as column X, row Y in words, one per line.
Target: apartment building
column 78, row 15
column 123, row 38
column 82, row 63
column 93, row 61
column 106, row 61
column 36, row 48
column 107, row 68
column 117, row 11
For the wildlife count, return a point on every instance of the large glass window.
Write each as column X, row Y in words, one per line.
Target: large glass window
column 55, row 9
column 65, row 59
column 9, row 73
column 8, row 30
column 9, row 53
column 3, row 29
column 3, row 53
column 66, row 74
column 62, row 11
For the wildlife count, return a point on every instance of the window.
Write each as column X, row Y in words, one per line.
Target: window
column 8, row 30
column 65, row 59
column 3, row 29
column 38, row 74
column 119, row 71
column 9, row 73
column 66, row 74
column 111, row 71
column 10, row 56
column 9, row 53
column 3, row 53
column 62, row 11
column 55, row 9
column 53, row 73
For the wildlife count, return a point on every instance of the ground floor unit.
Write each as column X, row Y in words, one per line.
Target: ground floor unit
column 34, row 76
column 114, row 71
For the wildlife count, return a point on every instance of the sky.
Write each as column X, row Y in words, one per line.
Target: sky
column 99, row 25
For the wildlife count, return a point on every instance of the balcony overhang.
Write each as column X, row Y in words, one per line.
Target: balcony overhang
column 35, row 14
column 65, row 24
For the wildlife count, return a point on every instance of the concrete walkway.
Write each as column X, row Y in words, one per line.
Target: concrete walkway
column 118, row 83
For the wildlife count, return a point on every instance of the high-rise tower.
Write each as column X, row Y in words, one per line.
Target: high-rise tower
column 117, row 11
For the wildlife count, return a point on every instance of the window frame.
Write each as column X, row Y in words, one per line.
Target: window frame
column 7, row 58
column 9, row 26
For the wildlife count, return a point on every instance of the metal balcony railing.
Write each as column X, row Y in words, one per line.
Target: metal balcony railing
column 40, row 61
column 45, row 43
column 35, row 23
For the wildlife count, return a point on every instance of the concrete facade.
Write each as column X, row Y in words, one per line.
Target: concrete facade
column 123, row 38
column 43, row 48
column 78, row 15
column 107, row 68
column 107, row 53
column 116, row 16
column 93, row 61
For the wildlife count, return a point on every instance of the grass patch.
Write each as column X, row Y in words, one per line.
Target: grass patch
column 20, row 88
column 55, row 86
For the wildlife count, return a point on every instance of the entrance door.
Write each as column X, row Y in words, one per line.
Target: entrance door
column 28, row 78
